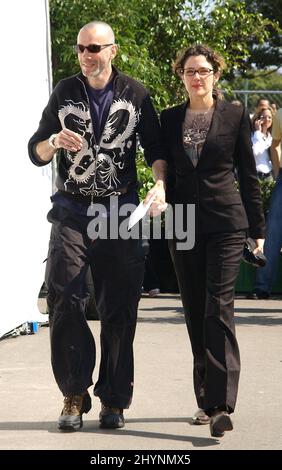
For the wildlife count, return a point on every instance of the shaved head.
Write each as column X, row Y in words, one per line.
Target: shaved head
column 101, row 27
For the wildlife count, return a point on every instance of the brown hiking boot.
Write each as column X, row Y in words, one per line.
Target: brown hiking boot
column 74, row 407
column 219, row 423
column 111, row 418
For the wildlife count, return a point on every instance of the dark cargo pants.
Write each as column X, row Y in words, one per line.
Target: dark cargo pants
column 117, row 267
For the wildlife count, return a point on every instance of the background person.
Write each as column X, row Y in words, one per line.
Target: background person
column 92, row 119
column 273, row 107
column 236, row 102
column 262, row 139
column 261, row 103
column 205, row 138
column 265, row 277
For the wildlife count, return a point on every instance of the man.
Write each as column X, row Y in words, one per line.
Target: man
column 91, row 121
column 262, row 103
column 265, row 277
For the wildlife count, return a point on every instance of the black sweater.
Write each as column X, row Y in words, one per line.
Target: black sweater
column 100, row 168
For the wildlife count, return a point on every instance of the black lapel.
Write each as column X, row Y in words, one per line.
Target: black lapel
column 179, row 121
column 216, row 123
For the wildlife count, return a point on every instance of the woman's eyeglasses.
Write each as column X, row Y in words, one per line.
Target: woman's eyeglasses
column 203, row 72
column 92, row 48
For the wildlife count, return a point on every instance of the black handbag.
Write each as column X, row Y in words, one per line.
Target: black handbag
column 258, row 260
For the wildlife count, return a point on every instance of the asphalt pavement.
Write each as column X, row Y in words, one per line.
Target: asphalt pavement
column 160, row 417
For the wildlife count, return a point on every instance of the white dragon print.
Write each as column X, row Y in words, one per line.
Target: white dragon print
column 111, row 148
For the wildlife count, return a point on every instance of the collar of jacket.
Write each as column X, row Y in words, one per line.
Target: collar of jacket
column 219, row 106
column 120, row 81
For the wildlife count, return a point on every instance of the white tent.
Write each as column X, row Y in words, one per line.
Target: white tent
column 25, row 189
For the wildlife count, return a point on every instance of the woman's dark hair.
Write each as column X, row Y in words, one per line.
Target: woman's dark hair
column 216, row 60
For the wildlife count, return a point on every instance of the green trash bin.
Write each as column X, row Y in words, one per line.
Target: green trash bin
column 246, row 278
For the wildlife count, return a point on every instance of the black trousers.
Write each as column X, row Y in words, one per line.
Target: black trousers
column 118, row 268
column 151, row 280
column 207, row 276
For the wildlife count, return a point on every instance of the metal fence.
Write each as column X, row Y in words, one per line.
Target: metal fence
column 250, row 97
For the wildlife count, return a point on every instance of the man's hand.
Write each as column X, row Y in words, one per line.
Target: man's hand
column 65, row 139
column 159, row 205
column 68, row 140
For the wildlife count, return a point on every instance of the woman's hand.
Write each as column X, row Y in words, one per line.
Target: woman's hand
column 258, row 124
column 158, row 193
column 259, row 245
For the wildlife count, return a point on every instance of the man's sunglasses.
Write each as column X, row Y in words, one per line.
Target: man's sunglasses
column 92, row 48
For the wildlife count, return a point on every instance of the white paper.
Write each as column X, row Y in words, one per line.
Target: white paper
column 140, row 211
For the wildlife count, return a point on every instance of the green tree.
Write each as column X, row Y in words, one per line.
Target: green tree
column 150, row 32
column 263, row 82
column 270, row 52
column 260, row 82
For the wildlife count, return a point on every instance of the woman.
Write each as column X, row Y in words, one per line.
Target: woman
column 262, row 139
column 206, row 139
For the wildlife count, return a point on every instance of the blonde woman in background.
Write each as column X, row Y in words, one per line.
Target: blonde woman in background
column 262, row 139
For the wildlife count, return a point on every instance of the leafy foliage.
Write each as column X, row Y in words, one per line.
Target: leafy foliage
column 262, row 81
column 144, row 175
column 269, row 53
column 151, row 32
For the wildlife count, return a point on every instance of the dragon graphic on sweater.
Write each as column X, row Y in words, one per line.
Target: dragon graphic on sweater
column 101, row 170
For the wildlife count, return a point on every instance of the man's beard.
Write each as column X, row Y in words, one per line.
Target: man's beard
column 98, row 70
column 95, row 73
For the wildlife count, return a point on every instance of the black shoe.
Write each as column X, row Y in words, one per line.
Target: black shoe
column 111, row 418
column 74, row 407
column 258, row 295
column 219, row 423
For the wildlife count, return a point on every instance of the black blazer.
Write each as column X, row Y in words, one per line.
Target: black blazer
column 220, row 207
